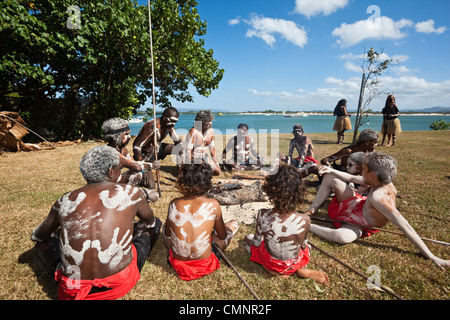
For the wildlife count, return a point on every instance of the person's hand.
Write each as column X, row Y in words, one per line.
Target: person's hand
column 155, row 164
column 325, row 162
column 325, row 169
column 263, row 161
column 151, row 196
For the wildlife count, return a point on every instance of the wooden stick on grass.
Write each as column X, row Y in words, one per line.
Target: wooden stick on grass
column 357, row 272
column 237, row 273
column 375, row 228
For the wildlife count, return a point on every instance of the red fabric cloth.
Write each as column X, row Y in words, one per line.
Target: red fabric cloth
column 350, row 210
column 288, row 267
column 121, row 283
column 194, row 269
column 308, row 159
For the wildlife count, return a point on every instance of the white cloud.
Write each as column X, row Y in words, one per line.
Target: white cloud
column 410, row 92
column 356, row 67
column 311, row 8
column 428, row 27
column 353, row 67
column 267, row 28
column 279, row 94
column 418, row 88
column 402, row 70
column 234, row 21
column 398, row 58
column 382, row 28
column 351, row 56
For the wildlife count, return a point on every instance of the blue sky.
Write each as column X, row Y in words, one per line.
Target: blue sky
column 306, row 55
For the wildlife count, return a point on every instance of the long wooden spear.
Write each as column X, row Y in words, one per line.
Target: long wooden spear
column 153, row 93
column 235, row 271
column 357, row 272
column 375, row 228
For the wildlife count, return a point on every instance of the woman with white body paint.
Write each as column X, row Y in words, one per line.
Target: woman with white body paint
column 191, row 220
column 89, row 239
column 279, row 243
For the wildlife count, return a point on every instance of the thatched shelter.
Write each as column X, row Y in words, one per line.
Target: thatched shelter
column 12, row 130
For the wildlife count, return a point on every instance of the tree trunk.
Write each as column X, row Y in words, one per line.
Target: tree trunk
column 358, row 112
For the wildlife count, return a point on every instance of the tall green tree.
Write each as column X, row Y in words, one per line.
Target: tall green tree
column 68, row 65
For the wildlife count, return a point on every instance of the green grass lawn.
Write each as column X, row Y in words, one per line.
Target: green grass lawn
column 31, row 182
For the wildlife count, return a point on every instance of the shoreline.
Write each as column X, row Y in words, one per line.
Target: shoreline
column 309, row 133
column 329, row 114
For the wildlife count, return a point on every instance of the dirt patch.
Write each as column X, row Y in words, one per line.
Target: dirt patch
column 245, row 213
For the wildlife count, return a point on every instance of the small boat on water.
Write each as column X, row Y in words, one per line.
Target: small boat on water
column 296, row 115
column 220, row 114
column 136, row 120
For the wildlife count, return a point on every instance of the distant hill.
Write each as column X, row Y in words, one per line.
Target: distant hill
column 432, row 109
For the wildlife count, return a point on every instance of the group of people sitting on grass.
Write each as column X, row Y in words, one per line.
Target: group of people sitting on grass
column 96, row 247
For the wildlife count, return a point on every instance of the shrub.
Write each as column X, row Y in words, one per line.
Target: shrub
column 440, row 125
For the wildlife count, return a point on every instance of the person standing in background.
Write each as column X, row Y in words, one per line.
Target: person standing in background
column 391, row 124
column 342, row 122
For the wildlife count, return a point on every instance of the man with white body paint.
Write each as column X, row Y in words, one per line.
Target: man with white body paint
column 116, row 133
column 144, row 144
column 279, row 243
column 199, row 145
column 375, row 210
column 367, row 141
column 191, row 220
column 304, row 146
column 241, row 146
column 89, row 239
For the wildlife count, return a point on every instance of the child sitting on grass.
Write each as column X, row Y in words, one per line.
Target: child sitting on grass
column 190, row 223
column 279, row 243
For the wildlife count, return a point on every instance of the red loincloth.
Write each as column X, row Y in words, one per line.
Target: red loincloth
column 308, row 159
column 288, row 267
column 194, row 269
column 120, row 284
column 350, row 210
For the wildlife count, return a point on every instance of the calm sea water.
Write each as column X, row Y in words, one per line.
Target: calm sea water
column 311, row 124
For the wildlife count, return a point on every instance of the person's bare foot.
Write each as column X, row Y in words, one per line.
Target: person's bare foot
column 318, row 276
